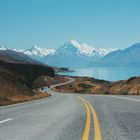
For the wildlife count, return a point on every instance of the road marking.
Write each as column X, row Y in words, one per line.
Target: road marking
column 124, row 98
column 6, row 120
column 97, row 129
column 85, row 135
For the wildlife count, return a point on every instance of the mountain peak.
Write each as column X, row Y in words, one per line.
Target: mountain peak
column 73, row 47
column 3, row 47
column 72, row 43
column 38, row 51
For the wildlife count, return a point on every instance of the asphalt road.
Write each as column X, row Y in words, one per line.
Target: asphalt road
column 72, row 117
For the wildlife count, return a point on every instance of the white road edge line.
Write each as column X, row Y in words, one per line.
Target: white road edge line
column 6, row 120
column 124, row 98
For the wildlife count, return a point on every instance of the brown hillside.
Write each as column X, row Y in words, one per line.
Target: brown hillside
column 16, row 79
column 87, row 85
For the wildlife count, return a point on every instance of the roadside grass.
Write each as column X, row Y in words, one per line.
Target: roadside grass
column 22, row 98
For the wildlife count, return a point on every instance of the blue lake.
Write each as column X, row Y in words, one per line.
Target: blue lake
column 106, row 73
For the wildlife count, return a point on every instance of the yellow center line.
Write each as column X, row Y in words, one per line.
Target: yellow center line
column 85, row 135
column 97, row 129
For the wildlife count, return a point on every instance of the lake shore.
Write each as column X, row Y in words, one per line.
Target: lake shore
column 105, row 73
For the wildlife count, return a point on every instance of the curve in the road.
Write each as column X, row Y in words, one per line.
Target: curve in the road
column 89, row 110
column 41, row 119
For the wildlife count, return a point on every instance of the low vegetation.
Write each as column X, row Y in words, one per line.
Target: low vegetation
column 88, row 85
column 124, row 92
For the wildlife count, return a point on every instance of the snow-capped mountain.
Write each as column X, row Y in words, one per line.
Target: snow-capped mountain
column 35, row 51
column 69, row 54
column 74, row 48
column 3, row 47
column 38, row 52
column 73, row 53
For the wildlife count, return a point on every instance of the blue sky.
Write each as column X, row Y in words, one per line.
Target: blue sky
column 50, row 23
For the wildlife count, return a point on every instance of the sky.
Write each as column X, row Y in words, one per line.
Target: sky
column 50, row 23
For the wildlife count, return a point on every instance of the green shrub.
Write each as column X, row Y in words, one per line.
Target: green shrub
column 124, row 92
column 3, row 98
column 107, row 92
column 85, row 85
column 138, row 90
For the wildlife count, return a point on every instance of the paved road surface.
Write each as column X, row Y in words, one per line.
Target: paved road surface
column 72, row 117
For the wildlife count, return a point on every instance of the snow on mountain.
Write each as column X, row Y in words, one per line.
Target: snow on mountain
column 38, row 52
column 69, row 48
column 74, row 48
column 3, row 47
column 73, row 53
column 34, row 51
column 102, row 52
column 16, row 50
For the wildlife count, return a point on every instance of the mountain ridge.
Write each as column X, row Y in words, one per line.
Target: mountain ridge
column 127, row 57
column 72, row 49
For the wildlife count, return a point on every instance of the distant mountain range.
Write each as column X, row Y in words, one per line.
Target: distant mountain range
column 70, row 54
column 73, row 54
column 35, row 52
